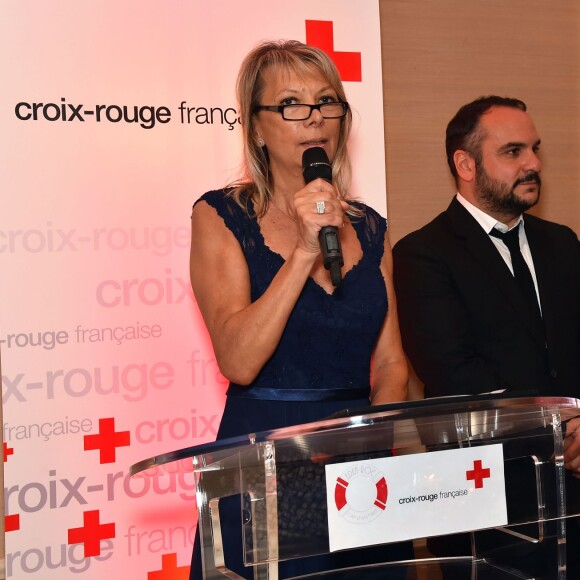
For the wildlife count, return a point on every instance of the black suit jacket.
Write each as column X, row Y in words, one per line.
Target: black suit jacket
column 465, row 328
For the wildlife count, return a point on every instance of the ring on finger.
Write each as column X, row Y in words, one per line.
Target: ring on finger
column 320, row 207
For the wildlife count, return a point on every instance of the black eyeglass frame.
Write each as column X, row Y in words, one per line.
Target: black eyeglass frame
column 281, row 108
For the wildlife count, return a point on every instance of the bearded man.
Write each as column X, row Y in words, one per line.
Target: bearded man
column 468, row 324
column 488, row 295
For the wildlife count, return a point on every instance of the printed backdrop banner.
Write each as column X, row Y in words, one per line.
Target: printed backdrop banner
column 115, row 117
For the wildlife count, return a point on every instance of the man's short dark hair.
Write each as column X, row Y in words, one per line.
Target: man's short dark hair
column 462, row 129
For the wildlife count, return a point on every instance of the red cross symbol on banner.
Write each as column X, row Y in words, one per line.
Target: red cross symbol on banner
column 91, row 533
column 7, row 451
column 319, row 33
column 107, row 440
column 478, row 473
column 12, row 523
column 169, row 570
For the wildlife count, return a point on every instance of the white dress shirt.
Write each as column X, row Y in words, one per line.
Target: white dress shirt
column 488, row 223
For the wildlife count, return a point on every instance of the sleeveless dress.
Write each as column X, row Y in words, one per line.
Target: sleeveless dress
column 321, row 364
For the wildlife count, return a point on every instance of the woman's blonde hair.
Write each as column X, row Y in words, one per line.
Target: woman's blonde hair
column 292, row 55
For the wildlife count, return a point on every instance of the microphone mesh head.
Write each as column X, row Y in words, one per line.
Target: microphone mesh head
column 315, row 164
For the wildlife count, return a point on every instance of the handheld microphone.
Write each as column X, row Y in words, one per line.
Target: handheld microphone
column 315, row 164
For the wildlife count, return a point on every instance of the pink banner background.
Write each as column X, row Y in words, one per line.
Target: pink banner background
column 108, row 140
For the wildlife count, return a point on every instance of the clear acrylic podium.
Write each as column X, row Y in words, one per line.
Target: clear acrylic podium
column 280, row 477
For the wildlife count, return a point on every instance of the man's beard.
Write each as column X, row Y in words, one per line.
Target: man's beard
column 498, row 197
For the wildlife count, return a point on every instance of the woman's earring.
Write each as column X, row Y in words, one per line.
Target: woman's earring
column 261, row 143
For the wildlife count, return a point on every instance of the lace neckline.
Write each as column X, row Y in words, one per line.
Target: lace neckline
column 347, row 275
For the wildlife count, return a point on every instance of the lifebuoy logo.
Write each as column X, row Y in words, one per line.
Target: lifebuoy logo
column 360, row 493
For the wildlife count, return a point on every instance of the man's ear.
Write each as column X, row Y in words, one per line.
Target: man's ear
column 465, row 165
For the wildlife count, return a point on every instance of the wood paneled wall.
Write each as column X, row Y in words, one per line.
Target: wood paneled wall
column 440, row 54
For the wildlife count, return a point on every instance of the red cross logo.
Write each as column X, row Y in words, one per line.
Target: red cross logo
column 7, row 451
column 12, row 523
column 169, row 570
column 478, row 473
column 91, row 533
column 319, row 33
column 107, row 440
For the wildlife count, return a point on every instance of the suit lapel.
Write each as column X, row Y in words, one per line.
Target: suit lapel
column 477, row 243
column 544, row 266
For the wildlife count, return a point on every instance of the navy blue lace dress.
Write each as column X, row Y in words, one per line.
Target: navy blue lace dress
column 321, row 365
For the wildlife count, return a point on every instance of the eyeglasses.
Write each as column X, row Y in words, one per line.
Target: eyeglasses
column 333, row 110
